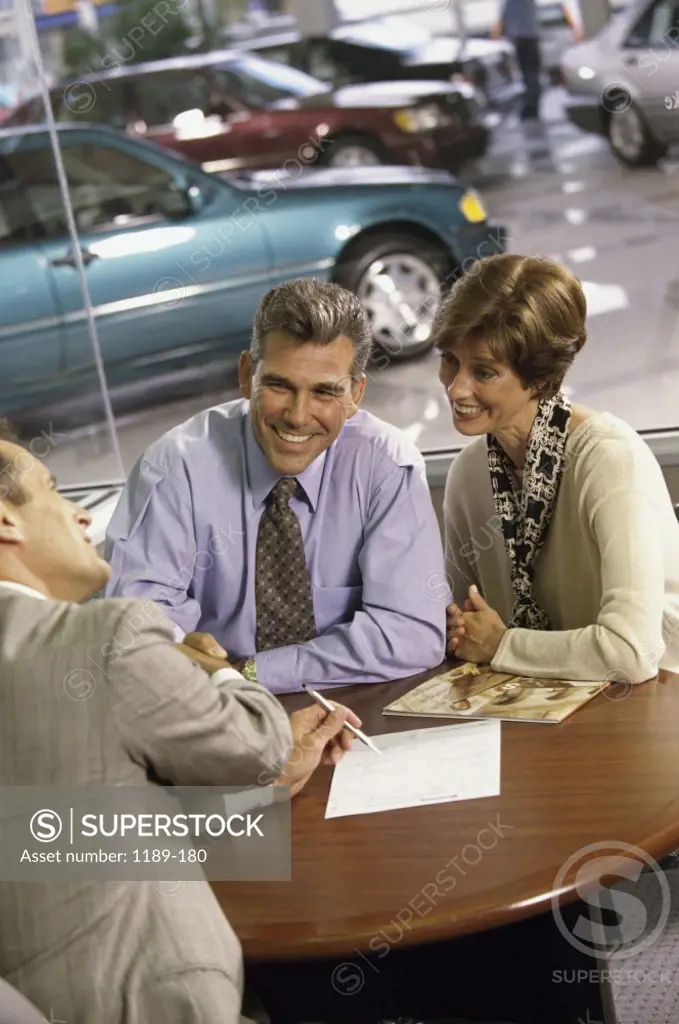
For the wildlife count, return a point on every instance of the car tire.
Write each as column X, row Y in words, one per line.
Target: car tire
column 421, row 267
column 352, row 151
column 631, row 140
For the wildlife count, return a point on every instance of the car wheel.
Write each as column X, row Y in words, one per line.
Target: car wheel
column 398, row 278
column 353, row 151
column 632, row 141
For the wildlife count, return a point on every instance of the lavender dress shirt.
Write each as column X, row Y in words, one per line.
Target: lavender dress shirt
column 184, row 534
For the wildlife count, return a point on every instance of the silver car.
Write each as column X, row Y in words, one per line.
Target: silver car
column 624, row 84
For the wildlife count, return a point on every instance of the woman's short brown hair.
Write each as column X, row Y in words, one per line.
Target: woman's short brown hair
column 529, row 310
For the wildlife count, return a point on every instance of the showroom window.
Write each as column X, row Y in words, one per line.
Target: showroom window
column 557, row 187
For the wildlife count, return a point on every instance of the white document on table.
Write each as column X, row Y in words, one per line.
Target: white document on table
column 419, row 767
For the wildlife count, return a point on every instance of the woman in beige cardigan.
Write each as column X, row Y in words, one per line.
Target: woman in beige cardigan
column 562, row 545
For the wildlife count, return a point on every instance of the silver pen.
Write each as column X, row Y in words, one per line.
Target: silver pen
column 347, row 725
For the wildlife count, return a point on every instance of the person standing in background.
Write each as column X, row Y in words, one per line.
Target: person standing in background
column 519, row 23
column 573, row 16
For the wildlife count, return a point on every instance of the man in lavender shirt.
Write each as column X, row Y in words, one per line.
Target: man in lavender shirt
column 185, row 531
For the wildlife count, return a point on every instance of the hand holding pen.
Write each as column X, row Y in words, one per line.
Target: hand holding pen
column 330, row 707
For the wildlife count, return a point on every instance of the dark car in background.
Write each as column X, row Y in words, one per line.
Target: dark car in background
column 229, row 111
column 380, row 50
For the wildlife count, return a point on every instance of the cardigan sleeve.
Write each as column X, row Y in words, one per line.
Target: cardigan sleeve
column 461, row 553
column 626, row 641
column 460, row 559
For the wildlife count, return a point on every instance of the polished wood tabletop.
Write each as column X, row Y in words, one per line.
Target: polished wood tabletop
column 608, row 774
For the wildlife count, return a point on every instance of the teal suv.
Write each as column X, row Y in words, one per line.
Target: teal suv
column 176, row 259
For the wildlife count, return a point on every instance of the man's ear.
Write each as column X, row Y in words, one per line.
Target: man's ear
column 10, row 530
column 357, row 390
column 245, row 373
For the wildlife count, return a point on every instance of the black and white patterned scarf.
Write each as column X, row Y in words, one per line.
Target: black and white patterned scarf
column 525, row 515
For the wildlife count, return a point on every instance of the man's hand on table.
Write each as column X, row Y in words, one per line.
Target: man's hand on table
column 318, row 737
column 203, row 648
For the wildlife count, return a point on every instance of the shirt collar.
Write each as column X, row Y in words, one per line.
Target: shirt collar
column 21, row 589
column 262, row 477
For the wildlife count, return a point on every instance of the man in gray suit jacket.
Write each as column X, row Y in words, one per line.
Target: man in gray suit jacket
column 119, row 952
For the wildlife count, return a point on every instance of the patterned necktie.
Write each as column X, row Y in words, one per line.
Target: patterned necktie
column 285, row 610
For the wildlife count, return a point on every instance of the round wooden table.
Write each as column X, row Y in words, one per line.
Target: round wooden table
column 610, row 773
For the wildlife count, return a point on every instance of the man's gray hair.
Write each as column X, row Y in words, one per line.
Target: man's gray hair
column 10, row 482
column 316, row 311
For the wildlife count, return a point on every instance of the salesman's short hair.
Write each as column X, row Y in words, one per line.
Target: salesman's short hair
column 529, row 310
column 310, row 310
column 10, row 483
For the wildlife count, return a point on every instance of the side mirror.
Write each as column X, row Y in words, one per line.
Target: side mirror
column 183, row 199
column 194, row 197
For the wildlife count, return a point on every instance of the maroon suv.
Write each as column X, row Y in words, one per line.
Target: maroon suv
column 230, row 111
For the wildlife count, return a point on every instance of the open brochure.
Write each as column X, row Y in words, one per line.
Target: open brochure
column 474, row 691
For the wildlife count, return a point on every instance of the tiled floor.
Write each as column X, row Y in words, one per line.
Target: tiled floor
column 647, row 987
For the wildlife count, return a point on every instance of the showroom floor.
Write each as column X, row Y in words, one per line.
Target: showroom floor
column 561, row 193
column 646, row 985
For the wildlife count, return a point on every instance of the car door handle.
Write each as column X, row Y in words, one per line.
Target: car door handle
column 631, row 59
column 69, row 259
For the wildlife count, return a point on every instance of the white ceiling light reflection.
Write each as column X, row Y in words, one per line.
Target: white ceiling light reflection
column 132, row 243
column 193, row 124
column 571, row 187
column 518, row 169
column 583, row 255
column 576, row 217
column 604, row 298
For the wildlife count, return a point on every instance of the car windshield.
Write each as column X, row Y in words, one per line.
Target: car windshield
column 263, row 82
